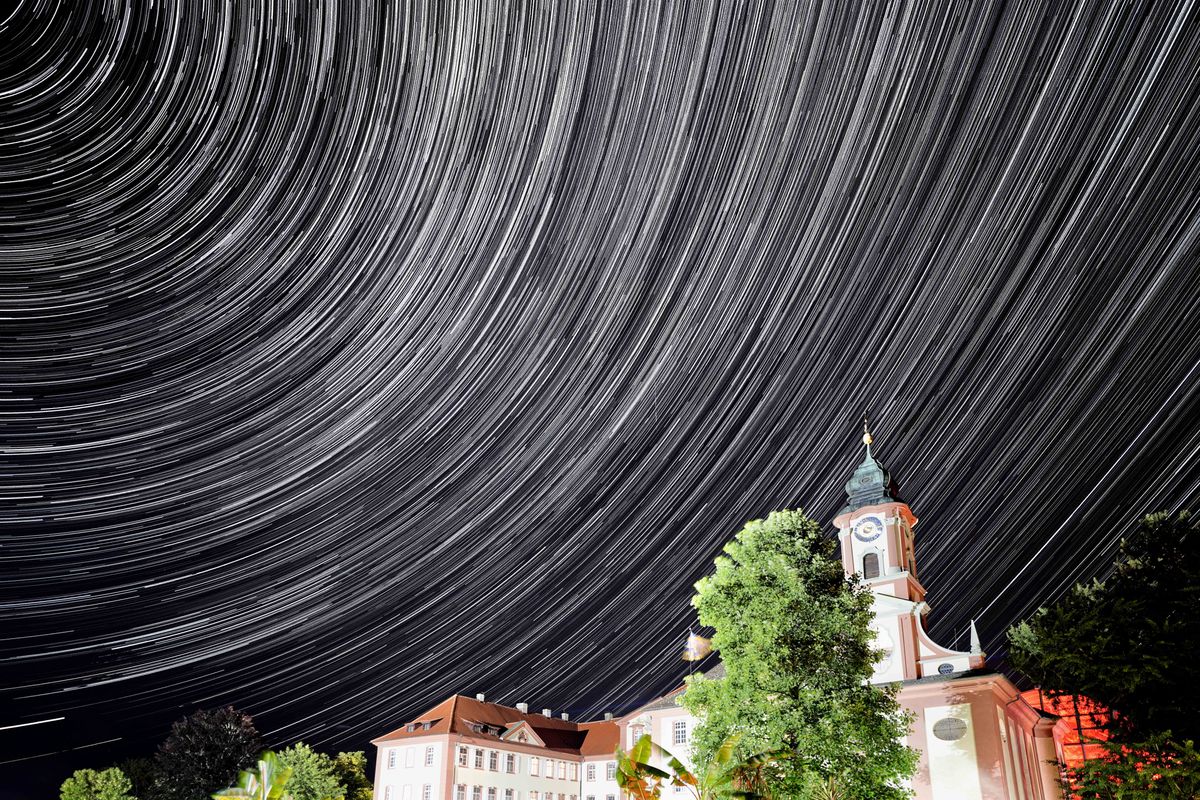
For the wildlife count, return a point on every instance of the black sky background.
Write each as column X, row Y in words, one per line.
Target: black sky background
column 352, row 357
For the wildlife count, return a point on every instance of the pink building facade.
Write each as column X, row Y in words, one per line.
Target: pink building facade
column 978, row 737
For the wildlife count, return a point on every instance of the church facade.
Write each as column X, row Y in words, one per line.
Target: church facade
column 978, row 738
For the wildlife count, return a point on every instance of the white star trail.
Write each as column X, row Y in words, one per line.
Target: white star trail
column 351, row 356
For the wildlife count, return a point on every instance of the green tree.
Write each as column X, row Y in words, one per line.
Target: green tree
column 266, row 782
column 351, row 772
column 1157, row 767
column 313, row 775
column 724, row 776
column 794, row 633
column 141, row 774
column 1128, row 643
column 88, row 784
column 204, row 753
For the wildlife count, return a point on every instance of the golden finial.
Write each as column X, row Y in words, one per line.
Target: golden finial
column 867, row 440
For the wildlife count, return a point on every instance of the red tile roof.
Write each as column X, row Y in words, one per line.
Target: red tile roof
column 464, row 715
column 600, row 738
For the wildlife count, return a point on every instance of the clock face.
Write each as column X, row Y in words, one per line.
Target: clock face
column 868, row 529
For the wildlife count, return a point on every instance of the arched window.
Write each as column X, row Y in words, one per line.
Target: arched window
column 871, row 565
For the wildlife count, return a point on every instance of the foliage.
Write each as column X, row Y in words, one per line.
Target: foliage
column 88, row 784
column 350, row 769
column 724, row 776
column 313, row 774
column 1128, row 641
column 1156, row 767
column 141, row 774
column 638, row 779
column 795, row 637
column 204, row 753
column 265, row 783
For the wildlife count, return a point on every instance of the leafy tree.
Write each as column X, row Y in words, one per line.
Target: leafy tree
column 351, row 772
column 88, row 784
column 313, row 774
column 1128, row 641
column 724, row 776
column 141, row 774
column 204, row 753
column 267, row 782
column 795, row 638
column 1158, row 767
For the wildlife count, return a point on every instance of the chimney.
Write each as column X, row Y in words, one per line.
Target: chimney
column 523, row 708
column 547, row 712
column 565, row 716
column 608, row 716
column 480, row 697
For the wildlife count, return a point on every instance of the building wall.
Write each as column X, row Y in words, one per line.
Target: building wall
column 601, row 786
column 404, row 782
column 661, row 723
column 401, row 771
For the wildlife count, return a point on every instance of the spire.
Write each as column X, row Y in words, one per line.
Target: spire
column 871, row 482
column 976, row 647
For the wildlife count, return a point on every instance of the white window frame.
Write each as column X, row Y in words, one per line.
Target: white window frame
column 679, row 732
column 590, row 772
column 391, row 757
column 610, row 770
column 464, row 758
column 410, row 757
column 429, row 756
column 535, row 766
column 493, row 761
column 478, row 762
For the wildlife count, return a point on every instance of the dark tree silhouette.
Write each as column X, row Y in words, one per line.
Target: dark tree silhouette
column 204, row 753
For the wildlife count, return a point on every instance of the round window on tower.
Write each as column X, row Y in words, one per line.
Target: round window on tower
column 950, row 729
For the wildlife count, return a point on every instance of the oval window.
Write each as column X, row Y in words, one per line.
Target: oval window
column 945, row 669
column 950, row 729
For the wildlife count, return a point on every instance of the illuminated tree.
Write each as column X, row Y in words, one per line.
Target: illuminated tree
column 88, row 784
column 795, row 639
column 313, row 774
column 351, row 772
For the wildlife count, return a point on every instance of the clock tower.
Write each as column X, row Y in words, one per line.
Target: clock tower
column 876, row 532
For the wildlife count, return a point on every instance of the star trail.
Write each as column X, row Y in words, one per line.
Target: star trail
column 353, row 356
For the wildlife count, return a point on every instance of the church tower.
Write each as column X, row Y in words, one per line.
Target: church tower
column 875, row 529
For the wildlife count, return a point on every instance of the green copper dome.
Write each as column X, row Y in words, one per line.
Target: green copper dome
column 870, row 484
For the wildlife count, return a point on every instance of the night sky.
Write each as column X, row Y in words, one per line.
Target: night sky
column 350, row 358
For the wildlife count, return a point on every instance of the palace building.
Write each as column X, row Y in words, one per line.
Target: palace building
column 978, row 737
